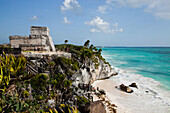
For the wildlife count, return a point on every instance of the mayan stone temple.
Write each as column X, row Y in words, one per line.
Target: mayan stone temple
column 38, row 40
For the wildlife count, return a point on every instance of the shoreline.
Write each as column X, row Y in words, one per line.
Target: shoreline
column 104, row 84
column 148, row 98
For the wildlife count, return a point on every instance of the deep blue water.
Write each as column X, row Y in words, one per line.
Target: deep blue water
column 153, row 62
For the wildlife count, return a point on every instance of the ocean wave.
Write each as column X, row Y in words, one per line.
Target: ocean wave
column 156, row 92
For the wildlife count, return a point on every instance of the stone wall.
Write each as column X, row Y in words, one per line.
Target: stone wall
column 36, row 30
column 51, row 44
column 50, row 54
column 16, row 42
column 39, row 39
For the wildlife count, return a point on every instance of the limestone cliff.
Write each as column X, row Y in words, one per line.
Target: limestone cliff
column 91, row 65
column 88, row 73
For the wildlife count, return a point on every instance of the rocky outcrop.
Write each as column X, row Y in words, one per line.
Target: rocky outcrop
column 94, row 107
column 134, row 85
column 88, row 73
column 126, row 88
column 102, row 92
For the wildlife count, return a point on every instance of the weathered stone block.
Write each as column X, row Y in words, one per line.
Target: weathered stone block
column 37, row 30
column 39, row 39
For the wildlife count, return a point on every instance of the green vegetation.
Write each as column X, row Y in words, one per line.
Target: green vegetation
column 11, row 103
column 86, row 44
column 18, row 99
column 5, row 46
column 82, row 100
column 86, row 53
column 39, row 82
column 27, row 51
column 10, row 66
column 71, row 48
column 66, row 41
column 91, row 47
column 83, row 53
column 24, row 92
column 64, row 108
column 69, row 66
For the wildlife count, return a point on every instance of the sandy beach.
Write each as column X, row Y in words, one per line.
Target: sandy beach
column 145, row 99
column 112, row 93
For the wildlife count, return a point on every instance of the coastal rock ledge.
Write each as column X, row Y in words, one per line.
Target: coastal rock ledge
column 94, row 107
column 88, row 73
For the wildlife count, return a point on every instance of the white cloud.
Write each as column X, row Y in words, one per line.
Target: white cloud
column 94, row 30
column 110, row 1
column 70, row 5
column 66, row 21
column 34, row 18
column 99, row 25
column 159, row 8
column 102, row 9
column 115, row 24
column 121, row 30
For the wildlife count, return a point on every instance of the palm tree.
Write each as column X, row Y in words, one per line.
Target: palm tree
column 91, row 47
column 100, row 50
column 95, row 49
column 87, row 43
column 66, row 41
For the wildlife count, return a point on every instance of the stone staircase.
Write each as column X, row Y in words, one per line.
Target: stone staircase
column 30, row 69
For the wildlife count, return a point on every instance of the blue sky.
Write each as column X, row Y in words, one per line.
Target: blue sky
column 103, row 22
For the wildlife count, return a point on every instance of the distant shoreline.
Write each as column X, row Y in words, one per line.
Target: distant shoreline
column 148, row 92
column 132, row 47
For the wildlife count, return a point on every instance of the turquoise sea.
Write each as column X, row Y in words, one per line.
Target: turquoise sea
column 153, row 62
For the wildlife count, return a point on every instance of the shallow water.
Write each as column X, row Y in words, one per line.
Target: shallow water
column 149, row 68
column 153, row 62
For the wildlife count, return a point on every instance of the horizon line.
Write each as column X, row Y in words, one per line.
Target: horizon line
column 134, row 46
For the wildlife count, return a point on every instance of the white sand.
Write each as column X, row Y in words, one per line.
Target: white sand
column 139, row 101
column 112, row 93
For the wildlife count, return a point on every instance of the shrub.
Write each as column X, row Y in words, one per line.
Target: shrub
column 75, row 65
column 87, row 43
column 10, row 66
column 67, row 83
column 39, row 81
column 86, row 53
column 25, row 93
column 82, row 100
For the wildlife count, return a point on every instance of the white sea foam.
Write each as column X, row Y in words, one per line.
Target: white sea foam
column 150, row 97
